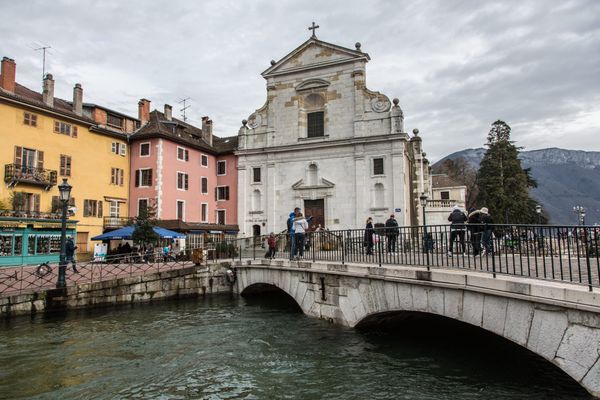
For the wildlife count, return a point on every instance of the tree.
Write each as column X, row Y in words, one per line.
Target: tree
column 503, row 183
column 461, row 172
column 144, row 226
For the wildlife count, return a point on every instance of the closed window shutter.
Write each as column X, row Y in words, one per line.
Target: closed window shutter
column 137, row 178
column 74, row 131
column 123, row 149
column 150, row 177
column 226, row 192
column 187, row 155
column 85, row 208
column 216, row 193
column 36, row 202
column 18, row 155
column 56, row 126
column 68, row 166
column 55, row 205
column 186, row 181
column 100, row 209
column 121, row 178
column 40, row 159
column 62, row 165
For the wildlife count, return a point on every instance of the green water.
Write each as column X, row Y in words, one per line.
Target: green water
column 235, row 348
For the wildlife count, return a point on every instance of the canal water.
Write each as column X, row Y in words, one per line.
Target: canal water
column 260, row 348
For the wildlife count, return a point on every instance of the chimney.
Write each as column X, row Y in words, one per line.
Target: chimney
column 48, row 93
column 8, row 74
column 168, row 112
column 78, row 99
column 207, row 130
column 144, row 111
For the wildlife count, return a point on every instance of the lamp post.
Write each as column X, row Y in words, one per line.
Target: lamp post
column 423, row 201
column 64, row 196
column 580, row 211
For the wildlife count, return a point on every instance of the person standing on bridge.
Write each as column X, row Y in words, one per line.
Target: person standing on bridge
column 475, row 229
column 368, row 240
column 300, row 227
column 391, row 228
column 488, row 228
column 457, row 219
column 290, row 229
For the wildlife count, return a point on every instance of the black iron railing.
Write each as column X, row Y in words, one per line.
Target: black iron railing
column 15, row 173
column 558, row 253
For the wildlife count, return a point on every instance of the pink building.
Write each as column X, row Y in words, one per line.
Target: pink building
column 188, row 174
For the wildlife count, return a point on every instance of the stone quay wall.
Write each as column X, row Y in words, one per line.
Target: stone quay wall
column 191, row 281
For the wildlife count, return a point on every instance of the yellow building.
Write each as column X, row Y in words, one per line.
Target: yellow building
column 44, row 140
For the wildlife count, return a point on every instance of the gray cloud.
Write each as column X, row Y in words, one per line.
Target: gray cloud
column 456, row 66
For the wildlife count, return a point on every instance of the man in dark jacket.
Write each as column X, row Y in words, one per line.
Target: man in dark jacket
column 70, row 253
column 488, row 228
column 475, row 228
column 391, row 230
column 457, row 229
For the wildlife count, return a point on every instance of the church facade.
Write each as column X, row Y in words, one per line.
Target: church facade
column 326, row 143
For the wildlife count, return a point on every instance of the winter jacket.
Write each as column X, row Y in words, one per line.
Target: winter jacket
column 271, row 242
column 368, row 239
column 487, row 220
column 70, row 248
column 391, row 227
column 474, row 221
column 458, row 219
column 290, row 223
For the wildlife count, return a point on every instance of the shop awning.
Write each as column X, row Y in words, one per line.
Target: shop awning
column 127, row 231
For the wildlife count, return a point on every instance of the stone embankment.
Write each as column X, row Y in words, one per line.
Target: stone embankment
column 193, row 281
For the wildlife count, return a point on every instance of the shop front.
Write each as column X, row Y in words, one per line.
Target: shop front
column 25, row 241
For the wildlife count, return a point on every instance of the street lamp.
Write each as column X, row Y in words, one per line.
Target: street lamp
column 423, row 201
column 538, row 210
column 580, row 211
column 64, row 196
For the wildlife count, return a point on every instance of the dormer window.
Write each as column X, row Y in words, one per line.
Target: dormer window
column 114, row 120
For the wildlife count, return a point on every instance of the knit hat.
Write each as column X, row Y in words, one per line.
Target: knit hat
column 456, row 208
column 484, row 210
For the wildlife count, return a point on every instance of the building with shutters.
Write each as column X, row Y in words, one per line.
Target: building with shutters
column 326, row 143
column 185, row 173
column 45, row 140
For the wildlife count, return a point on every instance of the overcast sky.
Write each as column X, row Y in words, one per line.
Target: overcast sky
column 456, row 66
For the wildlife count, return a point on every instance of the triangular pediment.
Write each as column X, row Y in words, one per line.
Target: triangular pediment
column 322, row 184
column 314, row 53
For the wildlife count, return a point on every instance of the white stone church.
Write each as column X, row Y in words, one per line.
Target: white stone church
column 325, row 143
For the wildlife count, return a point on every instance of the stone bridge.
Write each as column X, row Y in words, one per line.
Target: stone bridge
column 558, row 321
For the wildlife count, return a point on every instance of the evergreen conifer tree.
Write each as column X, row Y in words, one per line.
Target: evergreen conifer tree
column 503, row 183
column 144, row 226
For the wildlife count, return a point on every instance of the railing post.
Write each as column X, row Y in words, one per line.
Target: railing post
column 343, row 248
column 587, row 258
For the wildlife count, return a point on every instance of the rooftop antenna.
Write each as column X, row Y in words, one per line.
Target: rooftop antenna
column 185, row 107
column 43, row 49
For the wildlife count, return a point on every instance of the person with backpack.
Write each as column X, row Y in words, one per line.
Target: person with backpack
column 475, row 228
column 300, row 228
column 272, row 244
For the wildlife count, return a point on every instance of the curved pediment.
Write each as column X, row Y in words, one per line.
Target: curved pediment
column 310, row 84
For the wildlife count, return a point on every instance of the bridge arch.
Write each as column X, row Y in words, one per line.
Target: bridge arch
column 567, row 337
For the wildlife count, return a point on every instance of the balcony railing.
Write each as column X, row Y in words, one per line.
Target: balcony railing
column 117, row 222
column 16, row 173
column 442, row 203
column 29, row 214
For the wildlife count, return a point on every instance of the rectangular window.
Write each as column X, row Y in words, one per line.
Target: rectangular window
column 114, row 209
column 181, row 210
column 30, row 119
column 378, row 166
column 182, row 181
column 90, row 208
column 119, row 148
column 65, row 165
column 182, row 154
column 117, row 176
column 222, row 192
column 221, row 167
column 144, row 149
column 204, row 212
column 143, row 177
column 204, row 160
column 256, row 174
column 65, row 129
column 221, row 217
column 445, row 195
column 114, row 120
column 142, row 206
column 316, row 126
column 204, row 185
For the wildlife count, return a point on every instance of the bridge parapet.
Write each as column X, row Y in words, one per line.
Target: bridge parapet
column 556, row 320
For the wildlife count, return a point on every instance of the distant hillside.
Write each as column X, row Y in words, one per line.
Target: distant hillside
column 565, row 178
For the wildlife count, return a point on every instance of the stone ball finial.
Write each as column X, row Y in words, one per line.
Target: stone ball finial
column 416, row 132
column 424, row 154
column 244, row 122
column 357, row 45
column 396, row 101
column 273, row 62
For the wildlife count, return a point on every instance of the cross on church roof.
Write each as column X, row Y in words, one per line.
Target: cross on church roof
column 313, row 28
